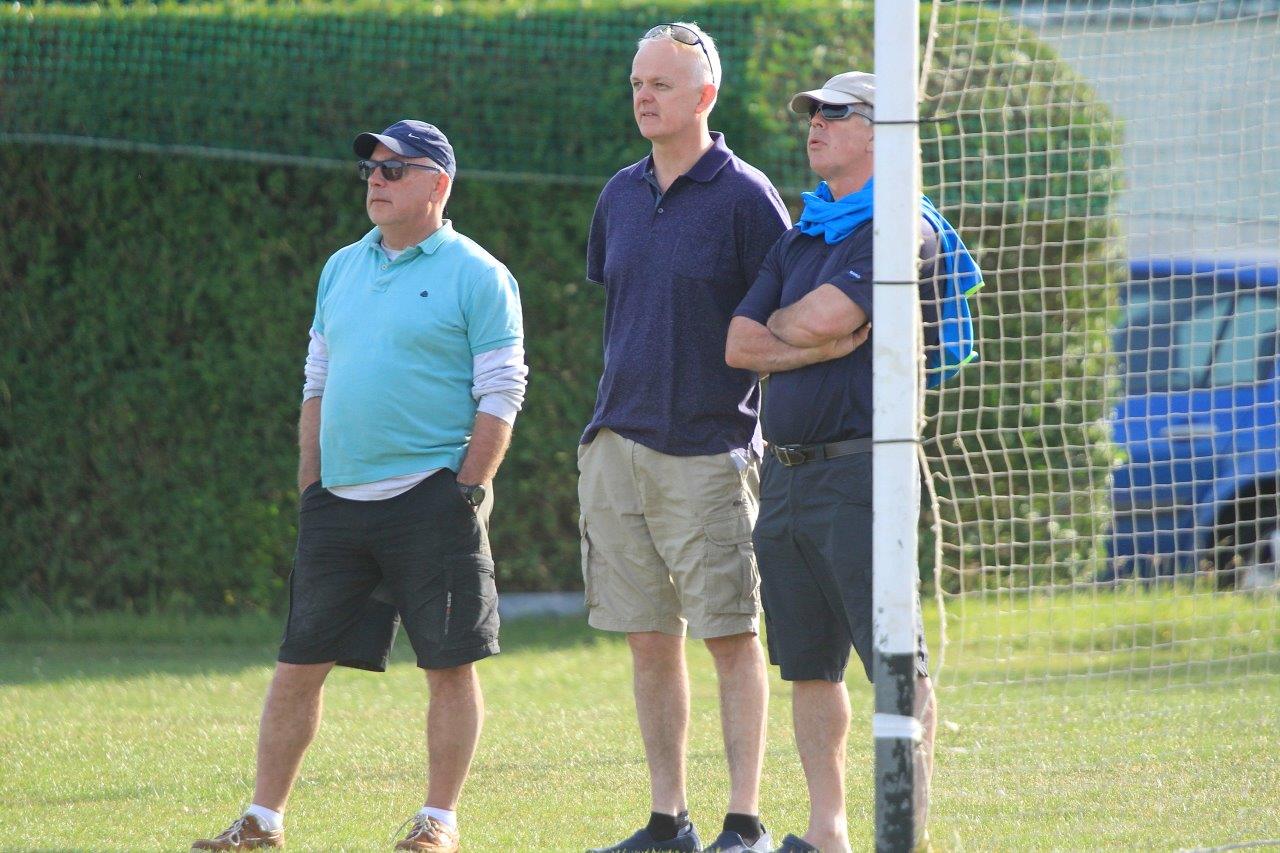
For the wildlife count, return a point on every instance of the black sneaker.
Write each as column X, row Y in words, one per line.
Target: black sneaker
column 732, row 842
column 796, row 844
column 686, row 840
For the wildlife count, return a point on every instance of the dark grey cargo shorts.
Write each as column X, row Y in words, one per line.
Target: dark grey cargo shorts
column 427, row 552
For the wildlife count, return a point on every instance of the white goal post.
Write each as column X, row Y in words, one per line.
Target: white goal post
column 896, row 424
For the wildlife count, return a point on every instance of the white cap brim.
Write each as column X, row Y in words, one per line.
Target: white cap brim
column 804, row 101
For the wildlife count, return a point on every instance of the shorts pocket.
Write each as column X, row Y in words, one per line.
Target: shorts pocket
column 588, row 569
column 308, row 496
column 471, row 604
column 731, row 577
column 847, row 480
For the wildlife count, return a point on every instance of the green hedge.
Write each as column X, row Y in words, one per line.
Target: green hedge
column 151, row 400
column 154, row 304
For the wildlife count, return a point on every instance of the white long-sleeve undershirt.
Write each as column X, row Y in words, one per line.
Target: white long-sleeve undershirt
column 498, row 380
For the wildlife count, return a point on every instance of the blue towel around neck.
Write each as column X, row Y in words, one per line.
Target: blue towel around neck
column 834, row 220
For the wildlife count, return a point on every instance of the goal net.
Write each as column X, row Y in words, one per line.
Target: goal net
column 1105, row 477
column 1102, row 485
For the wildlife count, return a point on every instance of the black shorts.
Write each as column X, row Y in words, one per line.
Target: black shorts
column 813, row 543
column 368, row 647
column 431, row 550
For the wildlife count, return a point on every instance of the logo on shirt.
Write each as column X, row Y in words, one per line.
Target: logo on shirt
column 855, row 275
column 423, row 293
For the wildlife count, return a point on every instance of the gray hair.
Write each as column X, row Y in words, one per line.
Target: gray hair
column 705, row 45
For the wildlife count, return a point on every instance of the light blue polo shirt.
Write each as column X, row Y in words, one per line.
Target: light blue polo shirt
column 401, row 338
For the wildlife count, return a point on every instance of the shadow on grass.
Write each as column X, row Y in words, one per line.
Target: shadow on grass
column 122, row 646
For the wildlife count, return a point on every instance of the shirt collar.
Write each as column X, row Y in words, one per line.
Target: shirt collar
column 442, row 235
column 707, row 167
column 710, row 164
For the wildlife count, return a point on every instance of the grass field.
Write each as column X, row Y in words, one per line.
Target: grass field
column 138, row 734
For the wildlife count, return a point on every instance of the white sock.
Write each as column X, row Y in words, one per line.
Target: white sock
column 445, row 816
column 267, row 819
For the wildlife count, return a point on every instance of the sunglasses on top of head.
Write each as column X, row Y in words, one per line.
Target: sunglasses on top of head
column 837, row 112
column 392, row 170
column 684, row 35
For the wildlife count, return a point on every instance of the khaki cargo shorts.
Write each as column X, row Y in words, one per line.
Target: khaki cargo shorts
column 666, row 540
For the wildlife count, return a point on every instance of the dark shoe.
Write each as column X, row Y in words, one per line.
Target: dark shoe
column 429, row 835
column 732, row 842
column 686, row 840
column 796, row 844
column 245, row 834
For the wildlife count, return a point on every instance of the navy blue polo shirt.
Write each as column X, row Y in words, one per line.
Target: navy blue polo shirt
column 674, row 266
column 830, row 400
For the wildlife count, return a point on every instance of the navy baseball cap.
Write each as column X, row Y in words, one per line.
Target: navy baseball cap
column 410, row 138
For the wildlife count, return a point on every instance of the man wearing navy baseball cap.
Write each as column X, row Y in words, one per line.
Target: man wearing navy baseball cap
column 414, row 375
column 413, row 139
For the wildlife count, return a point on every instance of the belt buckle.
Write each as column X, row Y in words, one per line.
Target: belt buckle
column 788, row 455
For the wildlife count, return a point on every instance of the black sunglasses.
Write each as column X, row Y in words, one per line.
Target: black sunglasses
column 837, row 112
column 684, row 35
column 392, row 170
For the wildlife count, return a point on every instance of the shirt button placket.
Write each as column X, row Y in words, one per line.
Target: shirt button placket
column 382, row 281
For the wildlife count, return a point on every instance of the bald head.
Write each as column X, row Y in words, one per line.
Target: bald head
column 671, row 60
column 690, row 38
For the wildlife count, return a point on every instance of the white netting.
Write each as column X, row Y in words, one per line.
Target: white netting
column 1106, row 476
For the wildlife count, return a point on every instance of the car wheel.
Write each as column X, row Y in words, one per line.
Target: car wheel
column 1247, row 555
column 1258, row 568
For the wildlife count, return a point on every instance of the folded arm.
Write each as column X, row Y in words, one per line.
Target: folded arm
column 753, row 346
column 823, row 315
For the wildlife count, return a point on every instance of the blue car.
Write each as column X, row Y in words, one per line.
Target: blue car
column 1197, row 490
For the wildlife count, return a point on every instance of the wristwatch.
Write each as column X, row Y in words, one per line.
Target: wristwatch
column 473, row 495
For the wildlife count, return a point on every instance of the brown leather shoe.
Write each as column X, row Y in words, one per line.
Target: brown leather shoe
column 245, row 834
column 431, row 835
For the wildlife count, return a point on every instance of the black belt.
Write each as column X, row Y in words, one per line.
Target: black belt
column 798, row 454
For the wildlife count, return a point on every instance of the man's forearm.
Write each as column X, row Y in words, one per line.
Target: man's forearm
column 823, row 315
column 309, row 443
column 490, row 437
column 752, row 346
column 785, row 326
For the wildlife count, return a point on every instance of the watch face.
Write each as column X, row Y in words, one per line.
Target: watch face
column 473, row 494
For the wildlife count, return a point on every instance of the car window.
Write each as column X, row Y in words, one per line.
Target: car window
column 1248, row 341
column 1194, row 340
column 1137, row 310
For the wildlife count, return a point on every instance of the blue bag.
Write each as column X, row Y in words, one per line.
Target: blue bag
column 955, row 321
column 834, row 220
